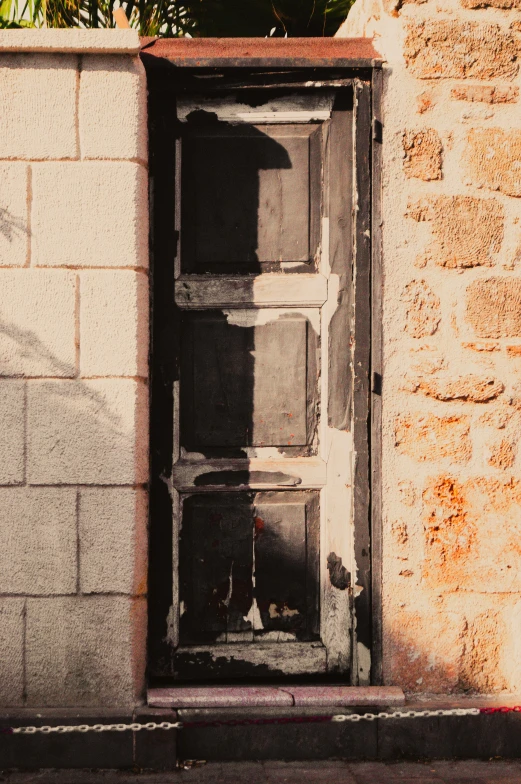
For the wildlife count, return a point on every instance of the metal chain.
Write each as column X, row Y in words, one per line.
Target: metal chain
column 410, row 714
column 61, row 729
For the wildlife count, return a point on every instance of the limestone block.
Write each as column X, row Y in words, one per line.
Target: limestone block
column 423, row 645
column 494, row 307
column 38, row 540
column 503, row 454
column 38, row 106
column 12, row 432
column 450, row 49
column 492, row 159
column 466, row 231
column 486, row 93
column 422, row 154
column 14, row 230
column 471, row 387
column 426, row 437
column 87, row 432
column 114, row 323
column 85, row 651
column 90, row 214
column 37, row 322
column 491, row 4
column 113, row 105
column 113, row 540
column 11, row 651
column 422, row 309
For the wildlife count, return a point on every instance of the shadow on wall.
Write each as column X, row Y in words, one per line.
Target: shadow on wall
column 87, row 649
column 11, row 226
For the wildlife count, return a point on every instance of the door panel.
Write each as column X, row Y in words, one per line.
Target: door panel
column 261, row 482
column 249, row 197
column 247, row 385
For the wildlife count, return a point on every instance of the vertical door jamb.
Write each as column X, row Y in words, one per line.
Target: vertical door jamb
column 362, row 632
column 376, row 381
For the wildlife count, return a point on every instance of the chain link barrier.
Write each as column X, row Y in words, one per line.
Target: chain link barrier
column 62, row 729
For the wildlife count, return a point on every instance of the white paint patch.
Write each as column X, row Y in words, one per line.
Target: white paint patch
column 290, row 109
column 254, row 616
column 171, row 626
column 364, row 664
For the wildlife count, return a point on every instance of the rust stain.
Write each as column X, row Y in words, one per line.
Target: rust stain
column 294, row 51
column 450, row 531
column 259, row 526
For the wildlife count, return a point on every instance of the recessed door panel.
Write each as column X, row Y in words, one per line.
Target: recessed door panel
column 249, row 567
column 250, row 379
column 248, row 202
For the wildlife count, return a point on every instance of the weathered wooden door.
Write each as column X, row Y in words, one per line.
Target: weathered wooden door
column 263, row 465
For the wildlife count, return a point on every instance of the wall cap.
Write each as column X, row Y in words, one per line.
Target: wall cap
column 58, row 41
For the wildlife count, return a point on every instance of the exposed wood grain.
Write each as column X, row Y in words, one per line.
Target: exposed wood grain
column 250, row 661
column 216, row 565
column 341, row 260
column 285, row 583
column 361, row 397
column 336, row 614
column 246, row 196
column 270, row 290
column 245, row 386
column 279, row 389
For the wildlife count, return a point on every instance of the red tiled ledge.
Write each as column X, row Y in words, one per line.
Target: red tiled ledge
column 272, row 696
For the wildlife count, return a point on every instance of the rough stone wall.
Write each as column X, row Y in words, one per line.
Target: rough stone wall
column 452, row 341
column 73, row 369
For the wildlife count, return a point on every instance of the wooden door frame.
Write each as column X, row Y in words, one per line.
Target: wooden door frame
column 164, row 81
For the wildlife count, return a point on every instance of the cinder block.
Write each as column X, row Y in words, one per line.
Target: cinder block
column 89, row 214
column 85, row 651
column 14, row 230
column 113, row 540
column 87, row 432
column 11, row 651
column 114, row 125
column 113, row 323
column 38, row 106
column 37, row 540
column 37, row 323
column 12, row 432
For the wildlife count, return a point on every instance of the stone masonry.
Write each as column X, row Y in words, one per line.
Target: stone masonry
column 73, row 368
column 452, row 340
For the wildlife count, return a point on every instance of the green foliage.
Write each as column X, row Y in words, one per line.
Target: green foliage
column 15, row 15
column 197, row 18
column 230, row 18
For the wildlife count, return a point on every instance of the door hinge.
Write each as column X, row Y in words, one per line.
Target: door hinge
column 376, row 384
column 377, row 130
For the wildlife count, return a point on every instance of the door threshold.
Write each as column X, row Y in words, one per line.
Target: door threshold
column 178, row 697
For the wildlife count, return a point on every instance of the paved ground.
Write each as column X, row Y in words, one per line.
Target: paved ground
column 465, row 772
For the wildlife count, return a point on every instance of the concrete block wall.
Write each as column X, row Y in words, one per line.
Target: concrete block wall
column 73, row 368
column 452, row 340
